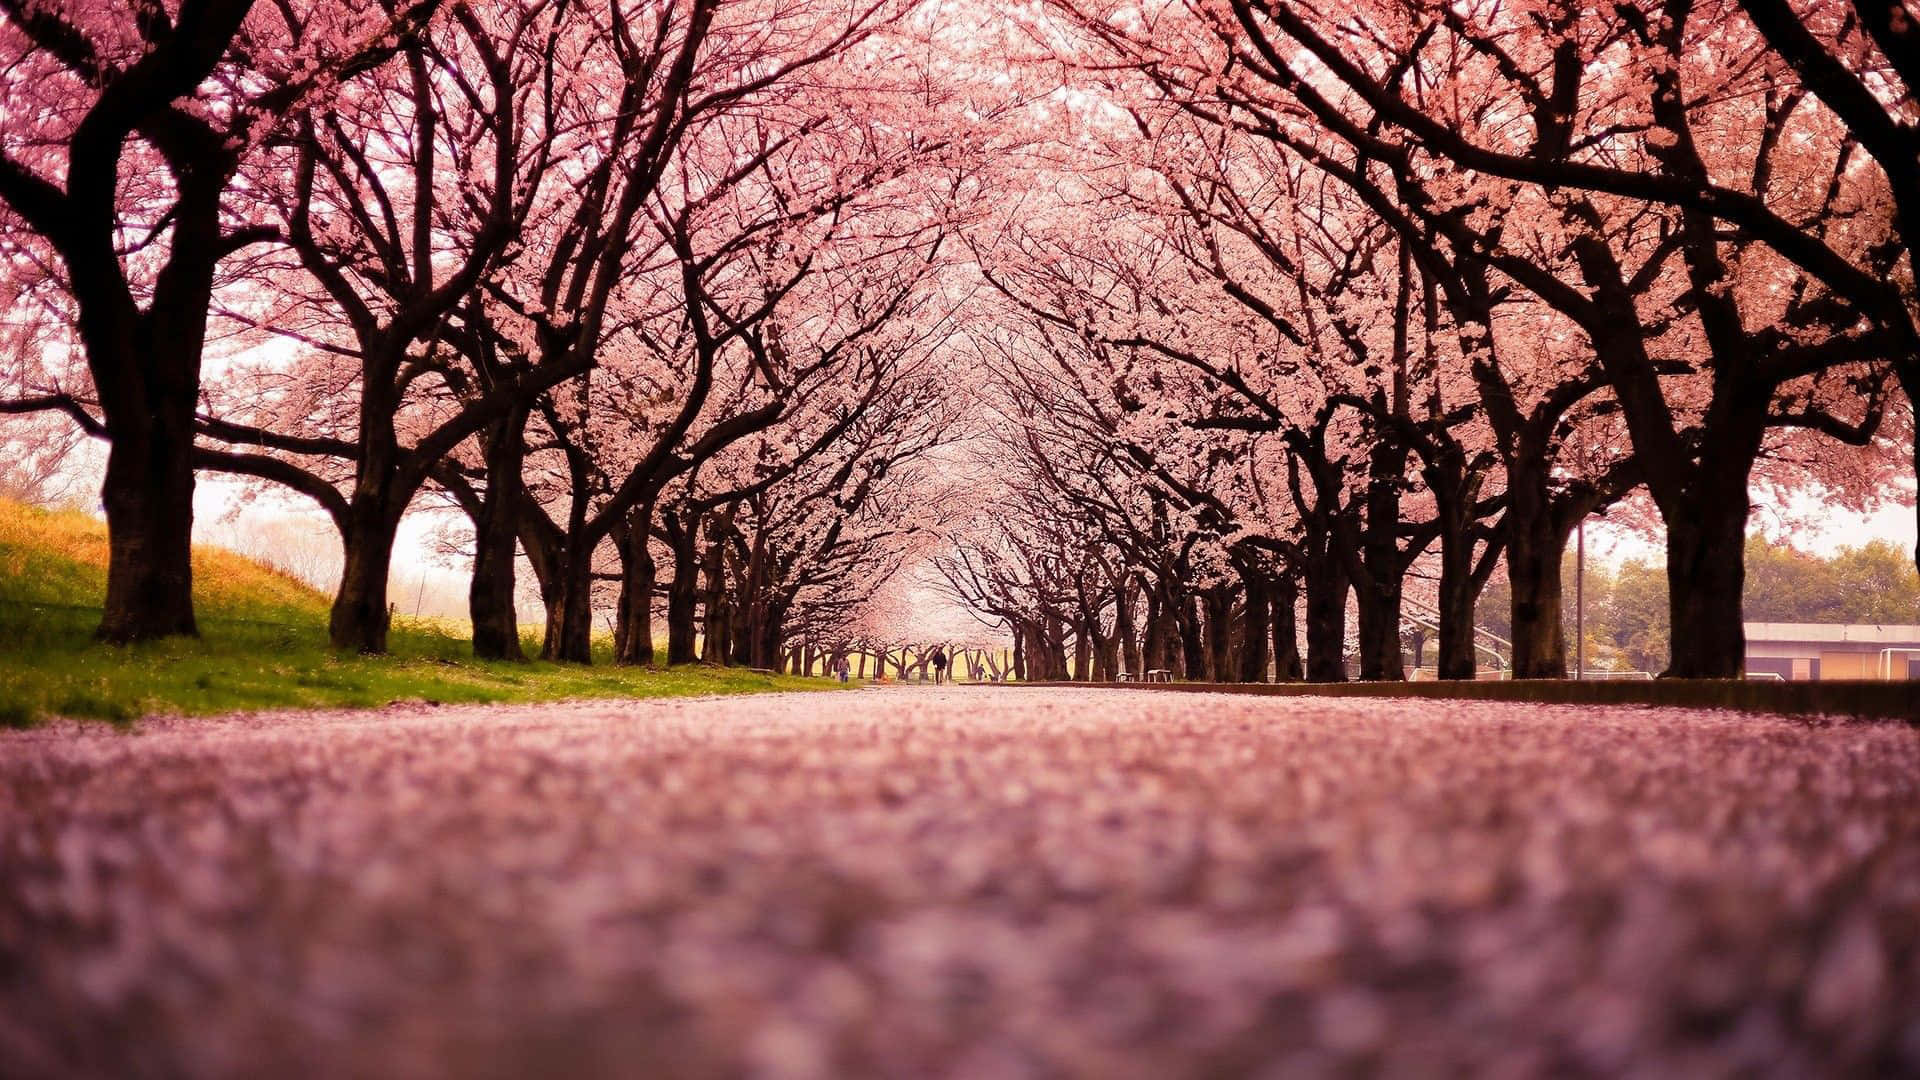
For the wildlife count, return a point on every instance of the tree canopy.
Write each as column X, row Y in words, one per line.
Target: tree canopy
column 1159, row 335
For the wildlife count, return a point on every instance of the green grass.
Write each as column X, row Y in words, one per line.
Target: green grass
column 263, row 645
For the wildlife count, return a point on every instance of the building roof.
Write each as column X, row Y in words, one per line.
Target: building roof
column 1858, row 633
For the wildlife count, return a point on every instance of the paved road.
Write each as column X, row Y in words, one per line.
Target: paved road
column 964, row 882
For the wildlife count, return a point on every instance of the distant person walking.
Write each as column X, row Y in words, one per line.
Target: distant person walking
column 939, row 665
column 840, row 667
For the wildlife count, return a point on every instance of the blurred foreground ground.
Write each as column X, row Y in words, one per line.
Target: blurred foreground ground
column 968, row 882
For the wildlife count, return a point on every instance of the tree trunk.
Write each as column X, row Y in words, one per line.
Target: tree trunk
column 1158, row 648
column 744, row 619
column 1107, row 658
column 1219, row 608
column 1327, row 588
column 1378, row 635
column 683, row 592
column 146, row 375
column 1192, row 649
column 570, row 613
column 1286, row 635
column 382, row 487
column 1699, row 480
column 767, row 637
column 148, row 498
column 552, row 604
column 360, row 616
column 1454, row 653
column 717, row 640
column 1705, row 576
column 753, row 610
column 717, row 612
column 1253, row 634
column 1535, row 546
column 1123, row 627
column 633, row 630
column 1378, row 590
column 496, row 628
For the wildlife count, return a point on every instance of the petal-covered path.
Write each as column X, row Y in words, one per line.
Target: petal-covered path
column 980, row 882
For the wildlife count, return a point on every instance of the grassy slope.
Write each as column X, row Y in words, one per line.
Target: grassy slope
column 263, row 644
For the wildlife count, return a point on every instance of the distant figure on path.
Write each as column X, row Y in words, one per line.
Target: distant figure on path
column 840, row 667
column 939, row 665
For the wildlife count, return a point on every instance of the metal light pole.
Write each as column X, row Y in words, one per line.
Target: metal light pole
column 1580, row 602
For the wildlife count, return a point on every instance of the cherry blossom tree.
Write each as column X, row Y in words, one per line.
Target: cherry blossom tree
column 803, row 557
column 121, row 135
column 526, row 185
column 394, row 206
column 1738, row 316
column 1693, row 328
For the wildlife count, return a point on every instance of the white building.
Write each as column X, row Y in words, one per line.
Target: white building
column 1833, row 650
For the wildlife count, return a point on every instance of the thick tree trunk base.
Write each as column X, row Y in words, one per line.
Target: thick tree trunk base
column 148, row 497
column 498, row 638
column 682, row 639
column 633, row 632
column 1534, row 550
column 360, row 617
column 1706, row 573
column 1327, row 625
column 496, row 626
column 1454, row 653
column 1286, row 638
column 571, row 640
column 1454, row 658
column 1379, row 634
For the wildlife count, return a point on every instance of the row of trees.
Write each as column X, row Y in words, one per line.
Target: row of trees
column 1275, row 309
column 1374, row 300
column 627, row 284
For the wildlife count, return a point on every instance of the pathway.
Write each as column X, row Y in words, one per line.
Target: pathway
column 979, row 882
